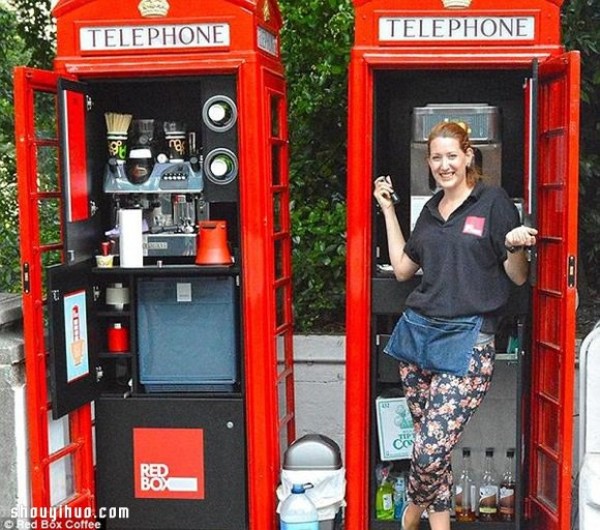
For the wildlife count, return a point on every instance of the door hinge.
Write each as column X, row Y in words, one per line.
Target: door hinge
column 89, row 103
column 572, row 271
column 26, row 279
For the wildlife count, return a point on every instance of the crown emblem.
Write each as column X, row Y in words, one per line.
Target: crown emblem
column 154, row 8
column 266, row 11
column 456, row 4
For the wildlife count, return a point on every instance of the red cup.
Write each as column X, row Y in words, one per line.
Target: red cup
column 118, row 339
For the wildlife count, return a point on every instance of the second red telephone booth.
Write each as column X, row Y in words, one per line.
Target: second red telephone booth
column 502, row 70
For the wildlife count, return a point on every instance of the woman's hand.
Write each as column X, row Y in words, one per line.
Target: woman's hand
column 516, row 264
column 383, row 192
column 522, row 236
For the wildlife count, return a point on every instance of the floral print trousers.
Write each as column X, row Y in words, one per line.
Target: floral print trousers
column 441, row 405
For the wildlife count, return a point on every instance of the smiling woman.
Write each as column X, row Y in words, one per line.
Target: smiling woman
column 444, row 341
column 449, row 164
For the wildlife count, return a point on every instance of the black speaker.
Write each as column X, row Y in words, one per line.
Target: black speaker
column 220, row 139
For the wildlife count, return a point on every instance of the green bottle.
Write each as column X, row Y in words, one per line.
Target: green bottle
column 384, row 498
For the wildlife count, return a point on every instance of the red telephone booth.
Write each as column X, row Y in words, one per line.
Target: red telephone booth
column 501, row 69
column 155, row 244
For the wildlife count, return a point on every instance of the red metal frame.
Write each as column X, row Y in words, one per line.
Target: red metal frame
column 368, row 55
column 553, row 356
column 28, row 82
column 266, row 293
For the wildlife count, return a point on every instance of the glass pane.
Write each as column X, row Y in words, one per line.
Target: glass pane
column 284, row 351
column 550, row 328
column 49, row 212
column 548, row 480
column 275, row 121
column 45, row 318
column 552, row 252
column 45, row 115
column 279, row 265
column 280, row 296
column 58, row 433
column 556, row 161
column 61, row 480
column 282, row 399
column 550, row 370
column 47, row 161
column 48, row 259
column 52, row 257
column 283, row 443
column 550, row 426
column 276, row 164
column 277, row 213
column 280, row 348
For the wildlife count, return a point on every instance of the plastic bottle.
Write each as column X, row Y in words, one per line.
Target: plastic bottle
column 399, row 497
column 507, row 489
column 384, row 498
column 298, row 512
column 488, row 490
column 464, row 489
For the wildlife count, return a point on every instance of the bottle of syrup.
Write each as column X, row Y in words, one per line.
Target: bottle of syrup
column 507, row 489
column 464, row 489
column 384, row 497
column 488, row 489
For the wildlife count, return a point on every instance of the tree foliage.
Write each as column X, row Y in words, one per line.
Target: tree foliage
column 36, row 30
column 581, row 31
column 28, row 39
column 12, row 53
column 316, row 41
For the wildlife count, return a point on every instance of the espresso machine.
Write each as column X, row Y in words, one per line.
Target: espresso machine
column 160, row 172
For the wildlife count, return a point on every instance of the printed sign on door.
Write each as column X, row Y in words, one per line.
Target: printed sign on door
column 168, row 463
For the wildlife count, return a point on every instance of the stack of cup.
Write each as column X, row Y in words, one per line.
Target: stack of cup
column 175, row 136
column 116, row 135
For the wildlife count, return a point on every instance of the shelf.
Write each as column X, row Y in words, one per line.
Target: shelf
column 207, row 396
column 475, row 525
column 168, row 269
column 508, row 357
column 114, row 355
column 114, row 313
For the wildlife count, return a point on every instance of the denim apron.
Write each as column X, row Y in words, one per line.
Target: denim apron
column 441, row 345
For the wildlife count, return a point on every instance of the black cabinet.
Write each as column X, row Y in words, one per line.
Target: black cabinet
column 189, row 343
column 172, row 461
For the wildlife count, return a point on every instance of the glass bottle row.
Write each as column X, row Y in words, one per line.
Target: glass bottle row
column 486, row 496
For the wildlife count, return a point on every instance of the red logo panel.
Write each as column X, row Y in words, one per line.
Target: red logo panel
column 168, row 463
column 474, row 225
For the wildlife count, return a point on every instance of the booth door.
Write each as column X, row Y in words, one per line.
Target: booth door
column 60, row 451
column 553, row 348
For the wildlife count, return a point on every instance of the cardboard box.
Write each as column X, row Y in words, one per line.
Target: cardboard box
column 395, row 428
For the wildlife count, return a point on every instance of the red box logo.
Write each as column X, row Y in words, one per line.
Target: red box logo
column 168, row 463
column 474, row 225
